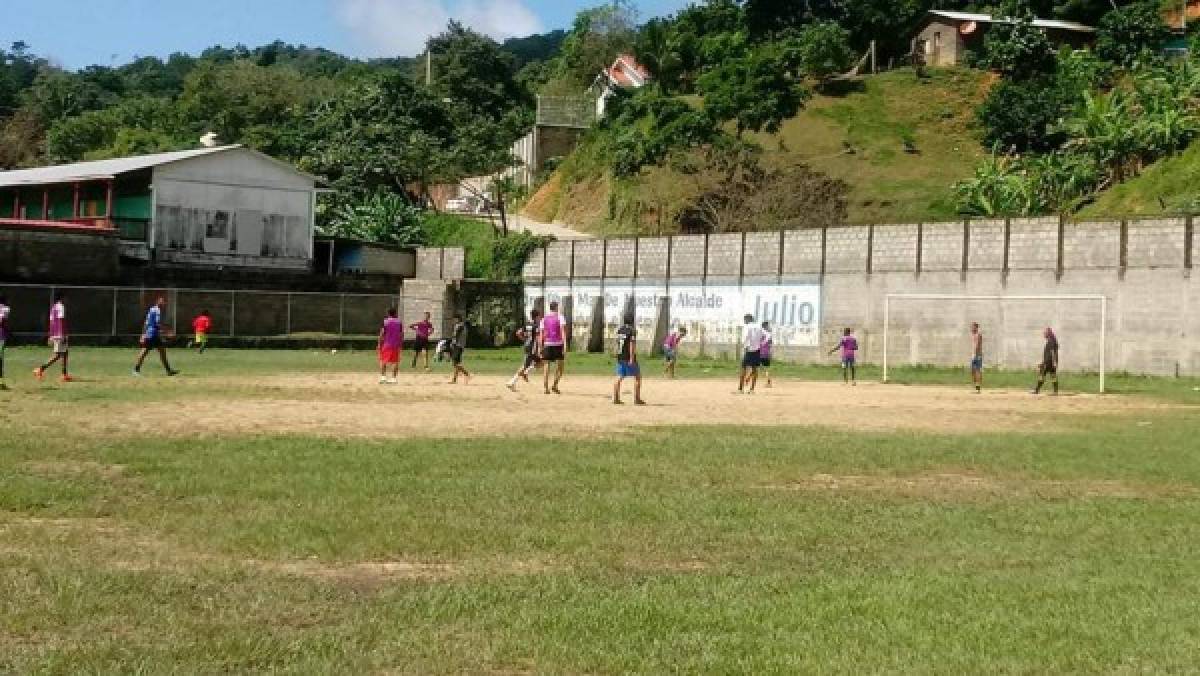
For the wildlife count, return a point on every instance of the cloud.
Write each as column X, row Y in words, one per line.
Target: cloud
column 400, row 27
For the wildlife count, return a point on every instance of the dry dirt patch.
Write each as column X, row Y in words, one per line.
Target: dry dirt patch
column 353, row 405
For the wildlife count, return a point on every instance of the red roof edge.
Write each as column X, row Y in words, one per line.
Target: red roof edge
column 98, row 227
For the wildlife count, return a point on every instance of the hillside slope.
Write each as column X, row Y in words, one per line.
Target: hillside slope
column 1170, row 185
column 899, row 142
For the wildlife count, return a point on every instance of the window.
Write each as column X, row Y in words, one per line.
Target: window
column 218, row 226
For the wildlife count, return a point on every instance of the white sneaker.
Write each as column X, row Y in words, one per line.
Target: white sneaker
column 137, row 373
column 383, row 380
column 393, row 381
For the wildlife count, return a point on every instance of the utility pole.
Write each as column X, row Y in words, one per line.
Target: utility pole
column 428, row 67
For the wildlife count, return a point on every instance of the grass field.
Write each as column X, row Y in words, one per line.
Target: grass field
column 279, row 511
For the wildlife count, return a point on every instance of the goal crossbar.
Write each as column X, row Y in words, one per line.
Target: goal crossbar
column 1103, row 300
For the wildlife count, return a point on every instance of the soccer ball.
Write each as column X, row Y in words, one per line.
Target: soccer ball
column 333, row 351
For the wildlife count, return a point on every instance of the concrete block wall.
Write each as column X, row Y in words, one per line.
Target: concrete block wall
column 762, row 254
column 1142, row 268
column 558, row 259
column 985, row 245
column 1033, row 244
column 448, row 263
column 687, row 256
column 589, row 257
column 803, row 253
column 620, row 260
column 652, row 257
column 942, row 246
column 1093, row 245
column 28, row 255
column 894, row 248
column 846, row 249
column 1156, row 243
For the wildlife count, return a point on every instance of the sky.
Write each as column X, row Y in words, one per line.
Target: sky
column 79, row 33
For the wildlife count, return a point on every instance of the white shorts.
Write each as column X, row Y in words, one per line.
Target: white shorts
column 58, row 345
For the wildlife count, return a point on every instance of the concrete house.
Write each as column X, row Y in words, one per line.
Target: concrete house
column 945, row 38
column 226, row 206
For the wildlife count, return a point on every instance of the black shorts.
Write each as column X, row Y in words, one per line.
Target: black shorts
column 421, row 344
column 552, row 353
column 751, row 360
column 531, row 360
column 156, row 341
column 764, row 362
column 456, row 354
column 1047, row 367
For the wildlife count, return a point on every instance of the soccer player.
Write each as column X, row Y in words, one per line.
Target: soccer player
column 671, row 351
column 764, row 352
column 752, row 340
column 458, row 345
column 391, row 342
column 977, row 357
column 57, row 339
column 424, row 329
column 201, row 325
column 627, row 363
column 849, row 346
column 553, row 347
column 529, row 338
column 152, row 339
column 4, row 312
column 1049, row 365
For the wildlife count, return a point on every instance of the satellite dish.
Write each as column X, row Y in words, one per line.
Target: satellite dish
column 209, row 140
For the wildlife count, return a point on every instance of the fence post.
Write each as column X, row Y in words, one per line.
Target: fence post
column 115, row 292
column 175, row 312
column 288, row 328
column 341, row 314
column 233, row 314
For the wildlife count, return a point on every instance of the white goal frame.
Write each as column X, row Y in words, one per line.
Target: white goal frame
column 1103, row 300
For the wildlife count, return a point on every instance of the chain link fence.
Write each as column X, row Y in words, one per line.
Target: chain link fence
column 115, row 312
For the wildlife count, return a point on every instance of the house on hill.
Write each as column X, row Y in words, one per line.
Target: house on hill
column 944, row 38
column 221, row 207
column 624, row 73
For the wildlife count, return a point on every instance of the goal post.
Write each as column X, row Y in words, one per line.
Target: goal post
column 1096, row 298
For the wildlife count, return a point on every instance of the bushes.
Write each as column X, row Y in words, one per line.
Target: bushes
column 1024, row 115
column 1131, row 33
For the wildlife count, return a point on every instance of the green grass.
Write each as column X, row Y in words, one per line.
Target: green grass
column 693, row 549
column 860, row 138
column 857, row 136
column 1165, row 187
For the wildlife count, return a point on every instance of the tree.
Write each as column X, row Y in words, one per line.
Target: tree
column 596, row 37
column 384, row 133
column 1018, row 50
column 1024, row 115
column 380, row 216
column 755, row 91
column 133, row 126
column 1131, row 33
column 823, row 50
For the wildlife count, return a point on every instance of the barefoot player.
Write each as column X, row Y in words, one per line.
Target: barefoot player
column 671, row 351
column 421, row 345
column 528, row 336
column 458, row 346
column 553, row 347
column 1049, row 365
column 849, row 347
column 391, row 341
column 752, row 340
column 627, row 363
column 977, row 357
column 152, row 339
column 57, row 339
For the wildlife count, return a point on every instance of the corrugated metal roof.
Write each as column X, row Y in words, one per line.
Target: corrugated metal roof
column 987, row 18
column 100, row 169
